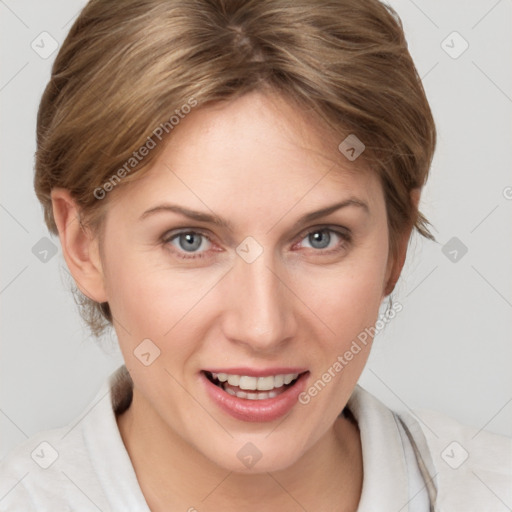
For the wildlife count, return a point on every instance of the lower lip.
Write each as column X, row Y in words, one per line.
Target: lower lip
column 269, row 409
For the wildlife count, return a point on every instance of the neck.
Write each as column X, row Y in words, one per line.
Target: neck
column 173, row 475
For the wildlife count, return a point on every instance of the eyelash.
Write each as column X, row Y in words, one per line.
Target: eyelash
column 344, row 235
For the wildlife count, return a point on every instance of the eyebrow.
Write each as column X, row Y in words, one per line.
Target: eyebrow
column 186, row 212
column 219, row 221
column 352, row 201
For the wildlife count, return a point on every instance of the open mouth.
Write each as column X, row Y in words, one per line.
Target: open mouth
column 253, row 388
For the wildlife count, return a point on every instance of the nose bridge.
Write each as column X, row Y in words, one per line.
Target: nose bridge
column 260, row 311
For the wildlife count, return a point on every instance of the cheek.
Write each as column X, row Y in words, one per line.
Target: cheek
column 132, row 292
column 348, row 303
column 349, row 311
column 150, row 299
column 347, row 298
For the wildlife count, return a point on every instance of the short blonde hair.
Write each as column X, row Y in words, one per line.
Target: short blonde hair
column 126, row 68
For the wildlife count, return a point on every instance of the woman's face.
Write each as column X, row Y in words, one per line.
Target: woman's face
column 251, row 248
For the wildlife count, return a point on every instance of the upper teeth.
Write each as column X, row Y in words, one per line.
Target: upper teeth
column 256, row 383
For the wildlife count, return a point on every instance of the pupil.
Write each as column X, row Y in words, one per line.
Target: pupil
column 319, row 239
column 190, row 241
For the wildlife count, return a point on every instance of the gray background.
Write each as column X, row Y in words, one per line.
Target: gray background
column 448, row 350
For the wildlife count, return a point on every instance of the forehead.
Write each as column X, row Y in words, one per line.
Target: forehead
column 255, row 151
column 258, row 129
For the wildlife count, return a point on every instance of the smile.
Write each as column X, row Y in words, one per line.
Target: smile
column 260, row 397
column 253, row 388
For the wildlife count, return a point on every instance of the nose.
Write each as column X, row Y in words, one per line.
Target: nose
column 257, row 305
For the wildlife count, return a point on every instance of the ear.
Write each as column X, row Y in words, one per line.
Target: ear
column 79, row 246
column 397, row 263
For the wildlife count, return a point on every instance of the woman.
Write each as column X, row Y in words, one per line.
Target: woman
column 234, row 185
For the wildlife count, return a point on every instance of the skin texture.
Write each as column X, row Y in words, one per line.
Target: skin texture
column 261, row 165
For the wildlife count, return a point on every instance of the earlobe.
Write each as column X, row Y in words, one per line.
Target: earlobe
column 79, row 246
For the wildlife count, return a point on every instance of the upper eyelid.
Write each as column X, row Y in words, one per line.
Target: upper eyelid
column 172, row 233
column 341, row 231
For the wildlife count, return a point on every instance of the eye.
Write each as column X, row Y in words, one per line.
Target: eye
column 191, row 242
column 319, row 239
column 325, row 239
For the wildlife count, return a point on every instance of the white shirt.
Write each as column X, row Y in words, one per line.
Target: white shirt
column 85, row 466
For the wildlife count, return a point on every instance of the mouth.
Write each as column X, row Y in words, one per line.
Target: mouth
column 253, row 388
column 263, row 396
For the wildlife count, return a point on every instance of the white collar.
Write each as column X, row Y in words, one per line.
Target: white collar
column 392, row 479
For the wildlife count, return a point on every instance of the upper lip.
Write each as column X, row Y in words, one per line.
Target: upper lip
column 255, row 372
